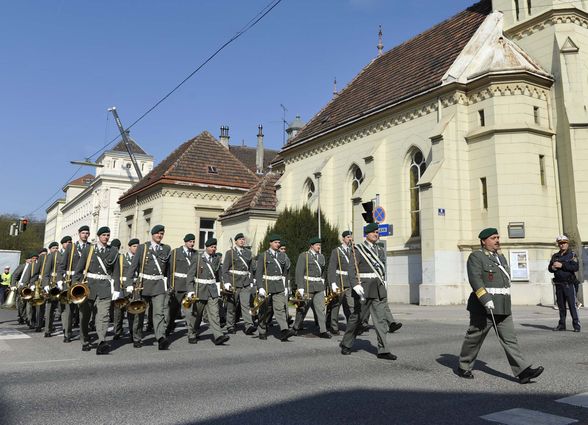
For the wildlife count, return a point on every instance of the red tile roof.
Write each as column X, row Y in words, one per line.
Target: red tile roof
column 262, row 196
column 135, row 148
column 404, row 71
column 248, row 156
column 85, row 180
column 192, row 162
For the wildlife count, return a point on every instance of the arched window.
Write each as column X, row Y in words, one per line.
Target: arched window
column 417, row 169
column 357, row 178
column 309, row 189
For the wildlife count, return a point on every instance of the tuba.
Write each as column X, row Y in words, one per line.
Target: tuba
column 10, row 299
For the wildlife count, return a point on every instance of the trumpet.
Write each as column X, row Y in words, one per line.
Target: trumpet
column 26, row 293
column 10, row 299
column 38, row 295
column 298, row 300
column 187, row 302
column 54, row 292
column 333, row 295
column 78, row 293
column 258, row 301
column 121, row 302
column 137, row 305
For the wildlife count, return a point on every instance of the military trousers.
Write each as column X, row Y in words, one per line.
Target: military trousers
column 239, row 302
column 480, row 325
column 159, row 306
column 389, row 317
column 50, row 308
column 118, row 321
column 276, row 303
column 566, row 295
column 66, row 317
column 344, row 300
column 317, row 300
column 211, row 307
column 175, row 304
column 102, row 307
column 31, row 313
column 39, row 315
column 21, row 307
column 377, row 310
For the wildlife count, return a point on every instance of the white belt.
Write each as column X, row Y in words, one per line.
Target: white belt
column 205, row 281
column 272, row 277
column 498, row 291
column 184, row 275
column 343, row 272
column 98, row 276
column 151, row 276
column 369, row 275
column 314, row 279
column 239, row 272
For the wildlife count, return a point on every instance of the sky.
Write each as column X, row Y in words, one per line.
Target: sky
column 63, row 63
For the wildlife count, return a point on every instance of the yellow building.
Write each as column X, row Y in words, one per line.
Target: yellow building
column 479, row 121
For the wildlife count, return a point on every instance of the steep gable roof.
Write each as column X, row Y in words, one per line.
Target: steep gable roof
column 201, row 161
column 135, row 148
column 262, row 196
column 248, row 156
column 406, row 70
column 84, row 181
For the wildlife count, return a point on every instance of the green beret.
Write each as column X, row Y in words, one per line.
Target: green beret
column 486, row 233
column 134, row 241
column 372, row 227
column 274, row 237
column 32, row 254
column 314, row 240
column 52, row 244
column 66, row 239
column 189, row 237
column 283, row 242
column 103, row 229
column 43, row 250
column 210, row 242
column 157, row 228
column 115, row 243
column 239, row 236
column 84, row 228
column 347, row 233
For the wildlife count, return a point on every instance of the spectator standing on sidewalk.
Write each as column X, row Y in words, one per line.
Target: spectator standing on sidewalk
column 564, row 265
column 4, row 283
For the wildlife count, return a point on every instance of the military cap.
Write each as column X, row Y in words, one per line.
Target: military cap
column 103, row 229
column 65, row 239
column 210, row 242
column 43, row 250
column 157, row 228
column 239, row 236
column 134, row 241
column 52, row 244
column 32, row 254
column 189, row 237
column 372, row 227
column 314, row 240
column 562, row 238
column 84, row 228
column 115, row 243
column 346, row 233
column 486, row 233
column 274, row 237
column 283, row 242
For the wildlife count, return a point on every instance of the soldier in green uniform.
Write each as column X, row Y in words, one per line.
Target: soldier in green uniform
column 96, row 266
column 204, row 281
column 270, row 278
column 236, row 277
column 338, row 279
column 49, row 282
column 489, row 303
column 120, row 283
column 20, row 278
column 310, row 285
column 367, row 273
column 62, row 265
column 37, row 312
column 180, row 262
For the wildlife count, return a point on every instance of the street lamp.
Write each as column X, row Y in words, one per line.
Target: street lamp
column 317, row 176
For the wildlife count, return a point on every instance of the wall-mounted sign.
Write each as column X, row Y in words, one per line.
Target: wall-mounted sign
column 519, row 265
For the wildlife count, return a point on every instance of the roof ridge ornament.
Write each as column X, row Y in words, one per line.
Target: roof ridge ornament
column 380, row 42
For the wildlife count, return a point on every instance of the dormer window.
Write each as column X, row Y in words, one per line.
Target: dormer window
column 212, row 170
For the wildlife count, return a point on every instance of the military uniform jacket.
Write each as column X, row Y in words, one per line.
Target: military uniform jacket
column 39, row 269
column 309, row 272
column 338, row 271
column 180, row 263
column 119, row 273
column 152, row 277
column 371, row 264
column 236, row 268
column 69, row 260
column 100, row 280
column 203, row 276
column 270, row 272
column 489, row 277
column 17, row 274
column 50, row 276
column 569, row 267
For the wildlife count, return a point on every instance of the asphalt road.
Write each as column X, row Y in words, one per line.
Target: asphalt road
column 305, row 381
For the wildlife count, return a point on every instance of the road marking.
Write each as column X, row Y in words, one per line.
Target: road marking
column 12, row 334
column 580, row 400
column 527, row 417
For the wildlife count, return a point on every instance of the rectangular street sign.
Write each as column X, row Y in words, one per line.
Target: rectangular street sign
column 385, row 229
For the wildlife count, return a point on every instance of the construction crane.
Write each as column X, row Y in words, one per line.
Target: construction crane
column 125, row 137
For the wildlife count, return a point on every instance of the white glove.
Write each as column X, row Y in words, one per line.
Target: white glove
column 286, row 292
column 20, row 284
column 217, row 287
column 60, row 285
column 489, row 305
column 190, row 294
column 300, row 291
column 129, row 289
column 115, row 295
column 334, row 287
column 251, row 285
column 46, row 288
column 261, row 292
column 32, row 287
column 227, row 286
column 359, row 290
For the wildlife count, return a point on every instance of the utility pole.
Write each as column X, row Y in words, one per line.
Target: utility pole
column 125, row 137
column 283, row 124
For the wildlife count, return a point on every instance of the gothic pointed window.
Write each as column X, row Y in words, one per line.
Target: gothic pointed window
column 357, row 178
column 418, row 166
column 309, row 190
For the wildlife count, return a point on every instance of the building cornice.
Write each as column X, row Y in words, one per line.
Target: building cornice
column 248, row 214
column 569, row 15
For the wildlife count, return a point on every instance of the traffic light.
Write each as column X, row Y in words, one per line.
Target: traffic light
column 22, row 224
column 368, row 215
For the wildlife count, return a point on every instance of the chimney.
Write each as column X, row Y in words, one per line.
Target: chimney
column 224, row 136
column 259, row 152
